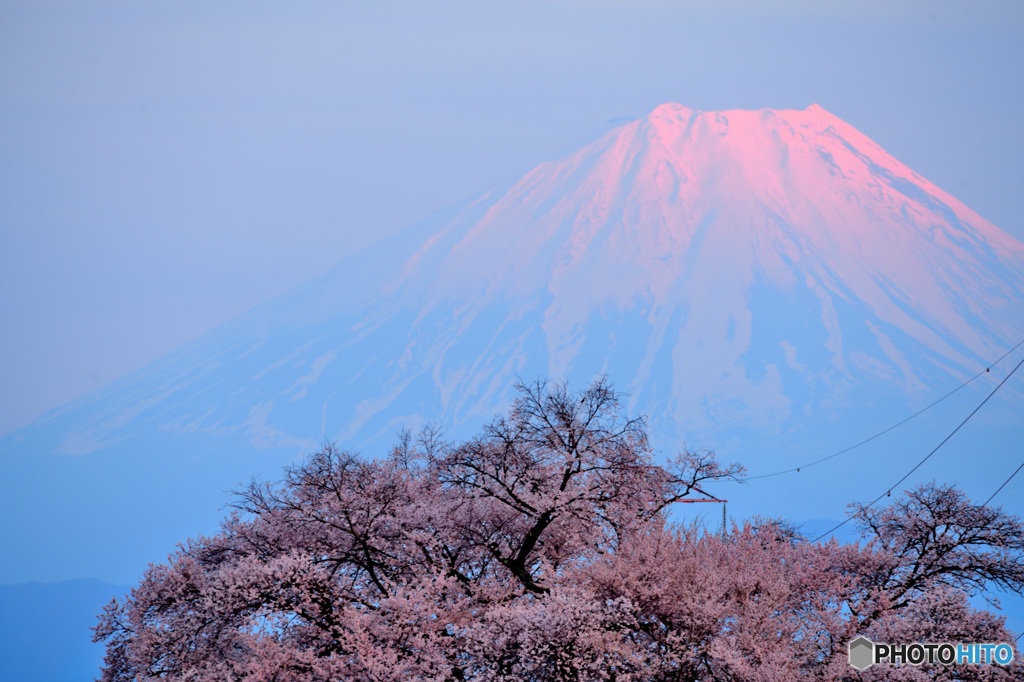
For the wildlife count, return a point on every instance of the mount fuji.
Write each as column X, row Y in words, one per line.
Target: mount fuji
column 769, row 283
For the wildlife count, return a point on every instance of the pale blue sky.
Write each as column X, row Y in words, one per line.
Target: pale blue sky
column 166, row 166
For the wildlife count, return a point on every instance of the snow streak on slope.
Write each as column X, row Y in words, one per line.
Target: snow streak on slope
column 741, row 274
column 678, row 221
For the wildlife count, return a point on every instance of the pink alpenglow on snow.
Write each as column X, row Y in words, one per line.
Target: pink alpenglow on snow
column 699, row 210
column 766, row 283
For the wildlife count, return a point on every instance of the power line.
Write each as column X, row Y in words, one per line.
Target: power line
column 1003, row 485
column 882, row 433
column 926, row 457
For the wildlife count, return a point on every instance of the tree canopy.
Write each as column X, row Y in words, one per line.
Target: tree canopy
column 542, row 549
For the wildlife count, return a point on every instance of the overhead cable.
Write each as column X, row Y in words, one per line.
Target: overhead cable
column 888, row 491
column 882, row 433
column 1003, row 485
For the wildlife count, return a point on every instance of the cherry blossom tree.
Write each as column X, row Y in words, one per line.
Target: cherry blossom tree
column 761, row 604
column 542, row 550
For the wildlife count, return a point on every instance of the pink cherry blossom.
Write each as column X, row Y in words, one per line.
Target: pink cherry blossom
column 542, row 550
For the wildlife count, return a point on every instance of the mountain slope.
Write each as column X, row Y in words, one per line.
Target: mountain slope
column 760, row 281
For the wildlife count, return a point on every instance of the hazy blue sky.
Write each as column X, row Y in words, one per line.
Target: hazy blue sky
column 166, row 166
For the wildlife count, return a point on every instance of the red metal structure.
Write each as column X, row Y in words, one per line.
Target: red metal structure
column 710, row 498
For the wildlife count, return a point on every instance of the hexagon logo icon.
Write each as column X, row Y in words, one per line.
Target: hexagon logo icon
column 862, row 652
